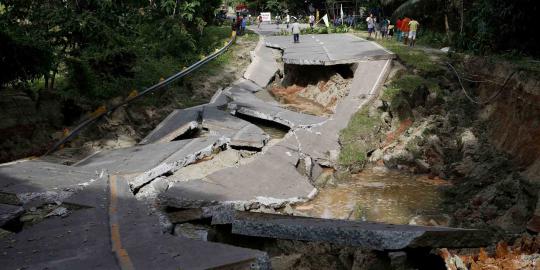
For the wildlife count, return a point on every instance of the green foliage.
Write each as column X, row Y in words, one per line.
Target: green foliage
column 432, row 39
column 103, row 49
column 354, row 146
column 477, row 26
column 408, row 83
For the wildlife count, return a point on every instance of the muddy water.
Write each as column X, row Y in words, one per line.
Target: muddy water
column 390, row 197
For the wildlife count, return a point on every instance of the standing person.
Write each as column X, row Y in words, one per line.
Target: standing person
column 244, row 23
column 278, row 20
column 391, row 31
column 405, row 29
column 370, row 24
column 384, row 27
column 259, row 21
column 311, row 21
column 398, row 29
column 288, row 20
column 296, row 31
column 413, row 25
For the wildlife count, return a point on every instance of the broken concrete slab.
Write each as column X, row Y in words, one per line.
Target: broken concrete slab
column 79, row 241
column 328, row 49
column 153, row 160
column 245, row 103
column 32, row 183
column 271, row 180
column 264, row 67
column 240, row 132
column 174, row 125
column 142, row 238
column 369, row 235
column 9, row 213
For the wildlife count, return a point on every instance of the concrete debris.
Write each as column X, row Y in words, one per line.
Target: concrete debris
column 60, row 211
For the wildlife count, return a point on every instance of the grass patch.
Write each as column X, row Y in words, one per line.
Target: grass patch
column 355, row 140
column 415, row 58
column 408, row 83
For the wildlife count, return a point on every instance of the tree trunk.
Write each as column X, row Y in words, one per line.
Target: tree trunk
column 447, row 28
column 462, row 12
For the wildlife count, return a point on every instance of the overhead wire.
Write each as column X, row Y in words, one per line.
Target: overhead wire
column 471, row 99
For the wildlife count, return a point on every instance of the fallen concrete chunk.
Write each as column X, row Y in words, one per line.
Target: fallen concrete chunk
column 330, row 49
column 9, row 213
column 369, row 235
column 240, row 132
column 175, row 124
column 272, row 181
column 153, row 160
column 37, row 182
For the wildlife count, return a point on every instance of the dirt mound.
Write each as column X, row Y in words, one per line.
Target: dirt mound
column 318, row 99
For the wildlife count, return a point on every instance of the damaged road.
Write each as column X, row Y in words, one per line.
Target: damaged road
column 278, row 173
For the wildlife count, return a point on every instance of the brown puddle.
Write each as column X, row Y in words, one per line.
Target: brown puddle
column 391, row 197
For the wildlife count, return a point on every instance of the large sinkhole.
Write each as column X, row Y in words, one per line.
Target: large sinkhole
column 310, row 89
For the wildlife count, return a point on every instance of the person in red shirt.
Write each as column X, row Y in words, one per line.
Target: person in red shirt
column 405, row 29
column 398, row 29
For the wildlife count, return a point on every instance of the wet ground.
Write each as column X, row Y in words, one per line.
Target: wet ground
column 390, row 197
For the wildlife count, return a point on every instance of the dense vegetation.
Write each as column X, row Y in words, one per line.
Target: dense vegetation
column 101, row 49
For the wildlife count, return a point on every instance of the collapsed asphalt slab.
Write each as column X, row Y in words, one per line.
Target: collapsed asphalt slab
column 246, row 103
column 32, row 183
column 263, row 66
column 174, row 125
column 369, row 235
column 328, row 49
column 271, row 180
column 115, row 231
column 240, row 132
column 153, row 160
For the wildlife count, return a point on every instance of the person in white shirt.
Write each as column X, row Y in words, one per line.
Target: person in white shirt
column 296, row 31
column 311, row 21
column 288, row 20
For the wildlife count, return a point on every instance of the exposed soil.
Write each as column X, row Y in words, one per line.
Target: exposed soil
column 312, row 90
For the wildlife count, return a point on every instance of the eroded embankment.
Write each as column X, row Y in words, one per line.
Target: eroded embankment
column 480, row 139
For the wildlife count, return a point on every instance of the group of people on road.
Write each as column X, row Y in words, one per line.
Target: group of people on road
column 405, row 29
column 239, row 24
